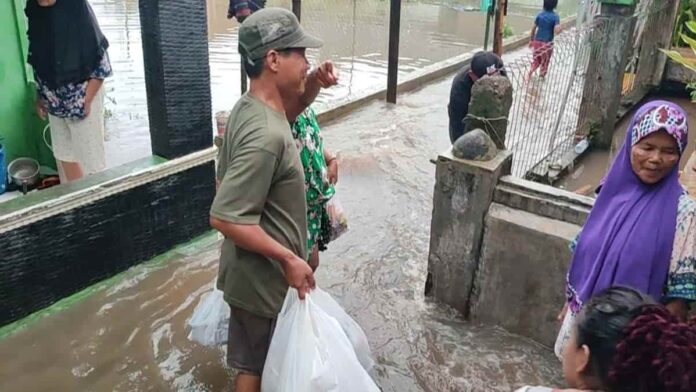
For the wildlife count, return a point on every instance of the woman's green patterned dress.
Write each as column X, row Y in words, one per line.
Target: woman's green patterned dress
column 318, row 189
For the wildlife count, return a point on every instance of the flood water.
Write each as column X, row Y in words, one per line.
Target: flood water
column 130, row 336
column 355, row 33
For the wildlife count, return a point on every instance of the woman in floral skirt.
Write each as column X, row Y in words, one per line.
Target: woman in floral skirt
column 320, row 166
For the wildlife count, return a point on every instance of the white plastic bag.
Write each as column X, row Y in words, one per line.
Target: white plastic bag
column 210, row 320
column 310, row 352
column 352, row 330
column 337, row 218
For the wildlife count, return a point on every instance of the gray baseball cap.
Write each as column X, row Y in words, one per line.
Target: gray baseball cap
column 272, row 29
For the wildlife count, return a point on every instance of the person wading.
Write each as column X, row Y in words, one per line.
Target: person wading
column 260, row 205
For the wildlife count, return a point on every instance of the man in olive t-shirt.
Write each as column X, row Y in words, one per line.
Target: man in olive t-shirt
column 260, row 204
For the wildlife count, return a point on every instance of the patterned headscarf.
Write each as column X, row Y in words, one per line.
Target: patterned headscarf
column 666, row 117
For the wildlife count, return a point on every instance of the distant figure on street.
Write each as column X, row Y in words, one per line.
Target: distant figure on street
column 546, row 25
column 241, row 9
column 482, row 64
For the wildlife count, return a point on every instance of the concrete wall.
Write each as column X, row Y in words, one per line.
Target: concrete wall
column 20, row 128
column 520, row 280
column 501, row 260
column 59, row 241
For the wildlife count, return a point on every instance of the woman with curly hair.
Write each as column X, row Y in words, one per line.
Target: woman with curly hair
column 623, row 341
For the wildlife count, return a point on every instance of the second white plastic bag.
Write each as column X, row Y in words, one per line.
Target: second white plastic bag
column 210, row 320
column 311, row 352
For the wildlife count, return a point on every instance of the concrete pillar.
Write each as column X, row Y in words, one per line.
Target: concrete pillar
column 611, row 40
column 463, row 193
column 491, row 100
column 177, row 76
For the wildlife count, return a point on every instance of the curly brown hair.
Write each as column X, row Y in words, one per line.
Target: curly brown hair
column 657, row 353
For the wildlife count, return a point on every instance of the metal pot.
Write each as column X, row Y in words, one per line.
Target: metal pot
column 24, row 172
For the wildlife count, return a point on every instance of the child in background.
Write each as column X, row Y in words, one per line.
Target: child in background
column 546, row 25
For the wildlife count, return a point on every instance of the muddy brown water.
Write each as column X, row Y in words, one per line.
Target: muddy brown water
column 130, row 336
column 355, row 33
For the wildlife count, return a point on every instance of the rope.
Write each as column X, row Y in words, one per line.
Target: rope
column 490, row 129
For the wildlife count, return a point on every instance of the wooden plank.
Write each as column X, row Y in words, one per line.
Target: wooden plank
column 500, row 9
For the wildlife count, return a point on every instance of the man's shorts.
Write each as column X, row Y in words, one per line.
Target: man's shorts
column 249, row 337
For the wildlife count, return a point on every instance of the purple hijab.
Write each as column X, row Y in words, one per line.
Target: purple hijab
column 628, row 237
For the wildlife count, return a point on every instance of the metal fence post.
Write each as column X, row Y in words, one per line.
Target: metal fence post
column 393, row 67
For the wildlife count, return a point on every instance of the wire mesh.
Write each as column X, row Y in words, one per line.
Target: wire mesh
column 544, row 118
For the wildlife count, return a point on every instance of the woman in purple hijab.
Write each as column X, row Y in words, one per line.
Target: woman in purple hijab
column 641, row 232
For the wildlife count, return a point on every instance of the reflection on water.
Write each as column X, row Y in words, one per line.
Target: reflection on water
column 131, row 337
column 355, row 35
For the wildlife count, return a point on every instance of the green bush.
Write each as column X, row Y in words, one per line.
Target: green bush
column 508, row 31
column 686, row 14
column 688, row 62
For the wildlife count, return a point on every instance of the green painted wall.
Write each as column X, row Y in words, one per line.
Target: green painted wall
column 20, row 128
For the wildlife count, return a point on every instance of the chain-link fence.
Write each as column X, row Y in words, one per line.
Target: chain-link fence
column 547, row 84
column 545, row 116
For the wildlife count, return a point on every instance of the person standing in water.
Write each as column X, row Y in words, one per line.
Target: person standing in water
column 546, row 25
column 641, row 232
column 260, row 205
column 241, row 9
